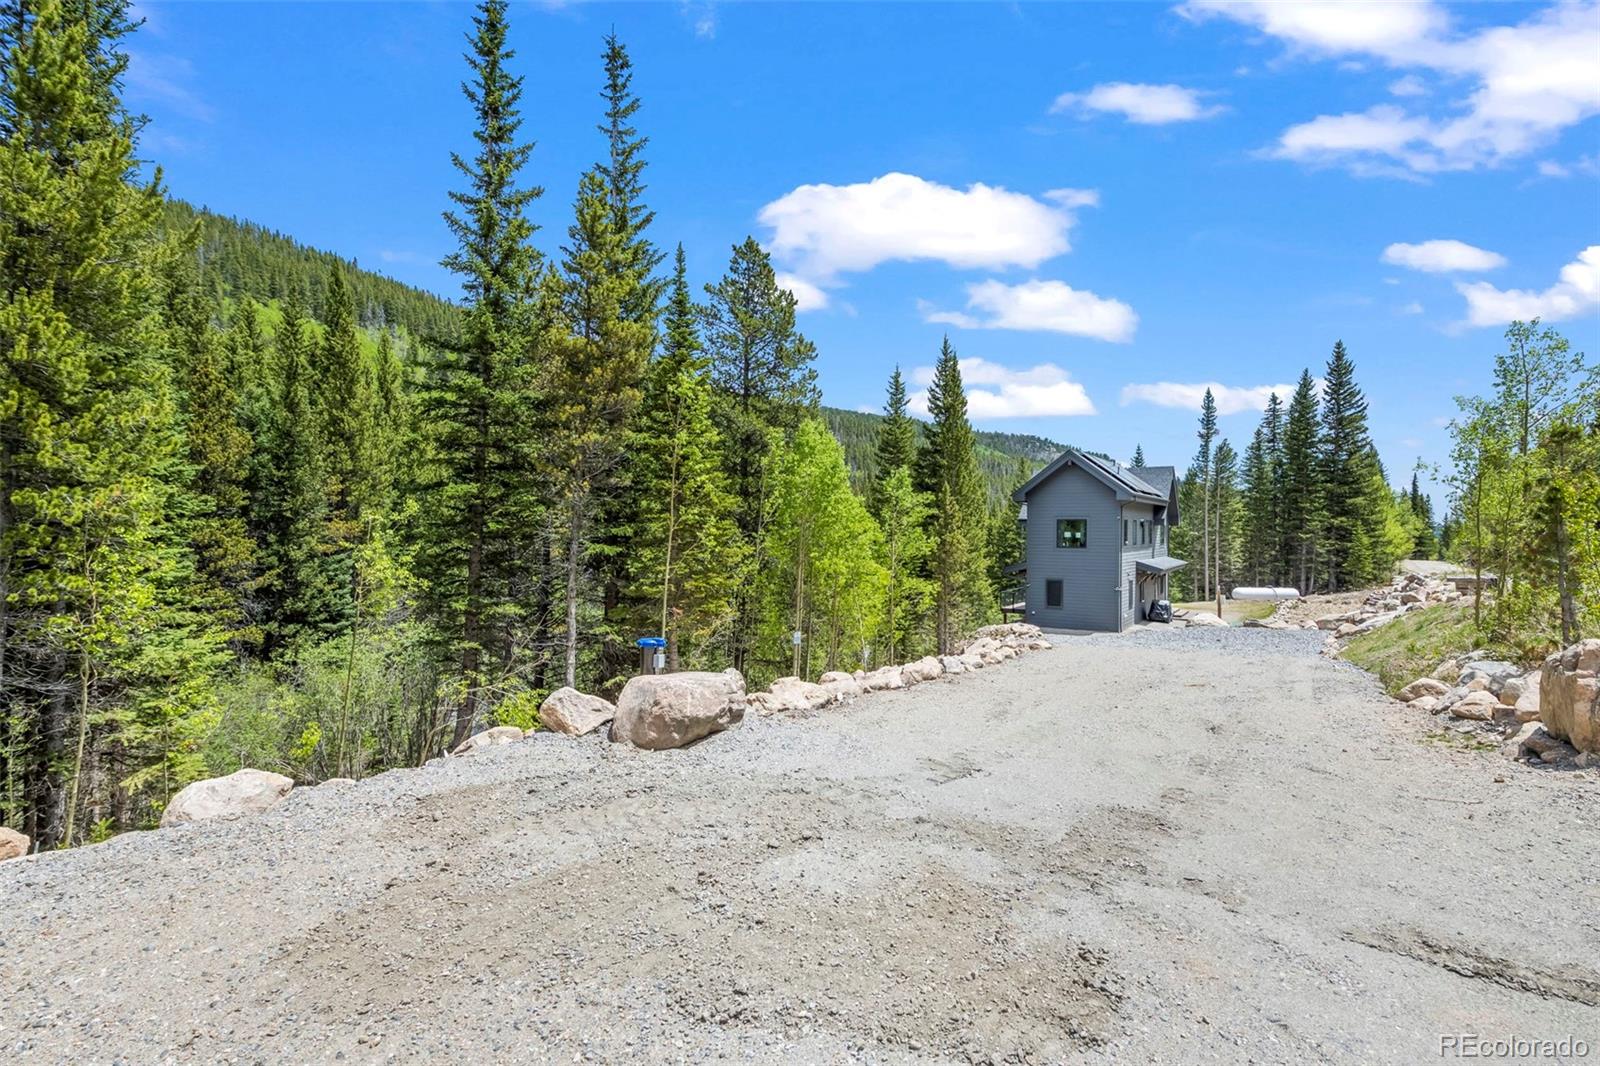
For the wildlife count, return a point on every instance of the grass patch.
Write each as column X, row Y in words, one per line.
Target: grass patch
column 1233, row 611
column 1413, row 644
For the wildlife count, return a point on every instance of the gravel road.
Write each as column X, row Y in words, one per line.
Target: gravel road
column 1205, row 845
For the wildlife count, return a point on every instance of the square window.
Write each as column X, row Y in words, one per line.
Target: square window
column 1072, row 532
column 1052, row 593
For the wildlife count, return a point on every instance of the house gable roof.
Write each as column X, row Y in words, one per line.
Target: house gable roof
column 1121, row 480
column 1164, row 479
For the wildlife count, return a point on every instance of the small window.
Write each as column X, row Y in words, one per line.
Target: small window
column 1052, row 593
column 1144, row 531
column 1130, row 595
column 1125, row 531
column 1072, row 532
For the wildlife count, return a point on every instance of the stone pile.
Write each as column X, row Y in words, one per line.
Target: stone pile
column 989, row 646
column 1550, row 715
column 1408, row 592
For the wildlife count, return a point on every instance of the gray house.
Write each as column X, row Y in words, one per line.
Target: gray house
column 1097, row 540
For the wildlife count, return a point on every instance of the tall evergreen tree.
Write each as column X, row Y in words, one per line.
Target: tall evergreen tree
column 89, row 445
column 634, row 256
column 1344, row 467
column 1226, row 518
column 597, row 383
column 686, row 555
column 1301, row 509
column 947, row 471
column 1202, row 479
column 1260, row 528
column 897, row 441
column 481, row 503
column 1138, row 455
column 761, row 368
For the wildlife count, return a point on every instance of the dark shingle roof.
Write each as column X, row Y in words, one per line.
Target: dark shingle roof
column 1159, row 478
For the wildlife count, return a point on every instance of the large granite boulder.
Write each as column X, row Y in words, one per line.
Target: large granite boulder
column 794, row 694
column 240, row 793
column 490, row 738
column 13, row 845
column 566, row 710
column 1423, row 686
column 658, row 711
column 1569, row 695
column 924, row 669
column 885, row 677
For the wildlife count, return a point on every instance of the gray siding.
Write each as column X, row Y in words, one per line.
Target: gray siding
column 1092, row 597
column 1148, row 590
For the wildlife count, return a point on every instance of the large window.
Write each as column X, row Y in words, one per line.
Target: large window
column 1072, row 532
column 1052, row 593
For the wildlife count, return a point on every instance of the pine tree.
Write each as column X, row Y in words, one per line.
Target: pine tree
column 1260, row 529
column 1274, row 564
column 1301, row 509
column 481, row 504
column 1202, row 479
column 687, row 556
column 761, row 369
column 1420, row 508
column 301, row 596
column 219, row 450
column 1226, row 517
column 1138, row 456
column 947, row 471
column 897, row 441
column 1344, row 467
column 596, row 387
column 635, row 257
column 89, row 443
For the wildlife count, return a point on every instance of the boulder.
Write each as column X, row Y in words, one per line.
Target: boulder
column 240, row 793
column 1569, row 695
column 1330, row 623
column 1024, row 630
column 952, row 664
column 338, row 782
column 1424, row 703
column 1475, row 706
column 842, row 688
column 972, row 661
column 1423, row 686
column 1346, row 629
column 13, row 845
column 1494, row 673
column 566, row 710
column 924, row 669
column 1513, row 747
column 885, row 677
column 1413, row 597
column 490, row 738
column 798, row 695
column 835, row 675
column 657, row 711
column 1527, row 703
column 764, row 703
column 1448, row 671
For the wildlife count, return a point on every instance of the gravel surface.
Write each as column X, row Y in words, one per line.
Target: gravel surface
column 1202, row 845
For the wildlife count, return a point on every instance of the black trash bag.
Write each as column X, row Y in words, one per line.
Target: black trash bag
column 1160, row 611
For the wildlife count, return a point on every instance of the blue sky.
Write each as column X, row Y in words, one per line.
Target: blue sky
column 1106, row 206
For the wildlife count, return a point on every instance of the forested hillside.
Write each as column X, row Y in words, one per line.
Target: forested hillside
column 239, row 259
column 998, row 453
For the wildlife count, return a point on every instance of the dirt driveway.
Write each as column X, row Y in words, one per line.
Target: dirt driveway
column 1166, row 847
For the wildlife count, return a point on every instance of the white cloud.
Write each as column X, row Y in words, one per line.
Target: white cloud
column 1230, row 399
column 1585, row 164
column 807, row 297
column 996, row 391
column 1150, row 105
column 1410, row 85
column 1412, row 308
column 1052, row 306
column 153, row 78
column 1524, row 83
column 1576, row 292
column 822, row 231
column 1443, row 257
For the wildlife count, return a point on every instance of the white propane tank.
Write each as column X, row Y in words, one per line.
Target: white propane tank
column 1265, row 593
